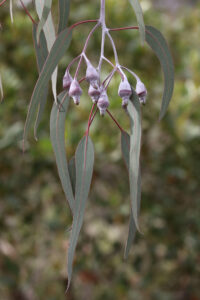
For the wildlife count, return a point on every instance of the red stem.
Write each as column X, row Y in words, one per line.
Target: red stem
column 2, row 2
column 82, row 22
column 27, row 12
column 115, row 120
column 123, row 28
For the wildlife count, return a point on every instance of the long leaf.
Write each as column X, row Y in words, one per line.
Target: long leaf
column 64, row 7
column 41, row 55
column 139, row 15
column 1, row 89
column 72, row 173
column 57, row 134
column 45, row 14
column 84, row 159
column 158, row 44
column 50, row 35
column 60, row 46
column 134, row 156
column 125, row 146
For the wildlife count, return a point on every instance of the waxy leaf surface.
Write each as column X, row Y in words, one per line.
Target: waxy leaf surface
column 139, row 15
column 64, row 7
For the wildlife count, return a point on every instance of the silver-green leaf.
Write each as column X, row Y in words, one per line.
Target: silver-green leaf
column 57, row 134
column 84, row 159
column 72, row 173
column 60, row 46
column 139, row 15
column 1, row 89
column 64, row 7
column 134, row 113
column 43, row 19
column 125, row 146
column 158, row 44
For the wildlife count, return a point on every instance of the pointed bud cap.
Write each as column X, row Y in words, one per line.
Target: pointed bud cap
column 125, row 92
column 94, row 94
column 67, row 80
column 92, row 75
column 103, row 103
column 75, row 91
column 141, row 91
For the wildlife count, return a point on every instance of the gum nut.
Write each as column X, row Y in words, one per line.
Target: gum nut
column 141, row 89
column 67, row 80
column 94, row 94
column 92, row 75
column 125, row 89
column 75, row 89
column 103, row 104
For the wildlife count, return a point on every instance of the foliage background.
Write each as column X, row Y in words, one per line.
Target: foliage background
column 164, row 263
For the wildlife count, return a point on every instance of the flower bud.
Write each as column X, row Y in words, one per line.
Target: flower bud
column 141, row 91
column 125, row 92
column 94, row 94
column 75, row 91
column 67, row 80
column 92, row 75
column 103, row 103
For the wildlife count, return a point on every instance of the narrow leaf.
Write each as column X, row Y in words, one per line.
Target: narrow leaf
column 45, row 14
column 134, row 156
column 50, row 35
column 1, row 89
column 158, row 44
column 139, row 15
column 84, row 159
column 60, row 46
column 125, row 146
column 64, row 7
column 57, row 134
column 41, row 55
column 72, row 173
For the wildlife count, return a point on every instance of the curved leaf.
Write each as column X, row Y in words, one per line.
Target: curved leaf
column 60, row 46
column 158, row 44
column 125, row 146
column 43, row 19
column 139, row 15
column 50, row 35
column 41, row 55
column 64, row 7
column 134, row 156
column 57, row 134
column 84, row 159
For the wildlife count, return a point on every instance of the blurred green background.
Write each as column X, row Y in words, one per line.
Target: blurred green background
column 164, row 263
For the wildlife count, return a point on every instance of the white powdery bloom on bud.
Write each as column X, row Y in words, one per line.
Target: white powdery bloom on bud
column 94, row 93
column 92, row 75
column 67, row 80
column 75, row 91
column 141, row 91
column 103, row 103
column 125, row 92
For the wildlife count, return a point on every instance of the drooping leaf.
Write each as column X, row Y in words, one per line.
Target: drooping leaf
column 60, row 46
column 41, row 55
column 72, row 173
column 11, row 10
column 134, row 113
column 64, row 7
column 84, row 159
column 125, row 146
column 139, row 15
column 1, row 89
column 50, row 35
column 43, row 19
column 158, row 44
column 57, row 134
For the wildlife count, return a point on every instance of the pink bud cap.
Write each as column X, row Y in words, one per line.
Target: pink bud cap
column 103, row 103
column 67, row 80
column 92, row 75
column 94, row 94
column 75, row 91
column 141, row 91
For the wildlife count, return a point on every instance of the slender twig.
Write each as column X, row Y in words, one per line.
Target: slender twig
column 114, row 120
column 123, row 28
column 27, row 12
